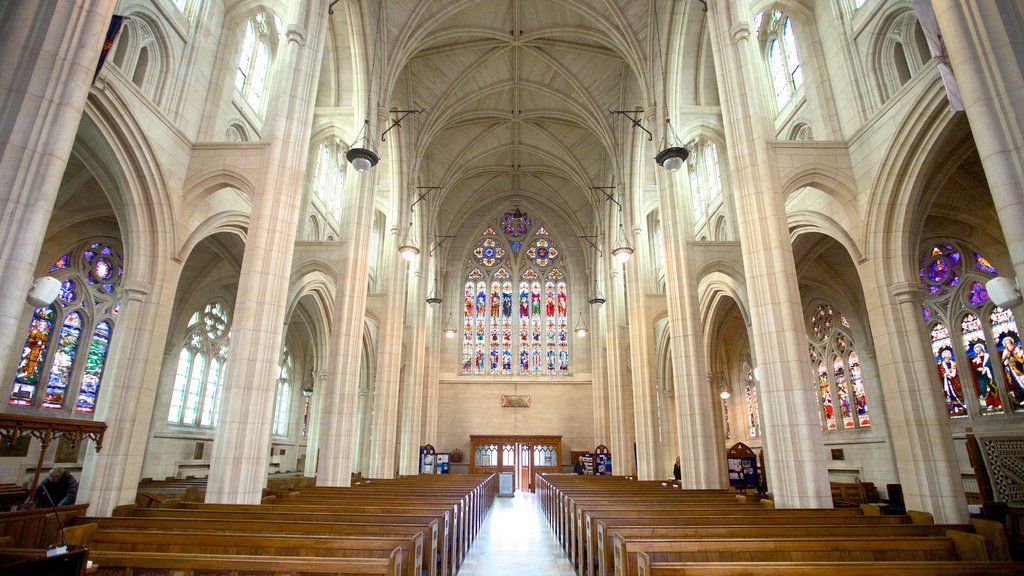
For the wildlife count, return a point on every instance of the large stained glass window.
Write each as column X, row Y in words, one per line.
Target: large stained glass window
column 976, row 345
column 254, row 58
column 199, row 377
column 329, row 177
column 837, row 371
column 68, row 341
column 515, row 281
column 705, row 178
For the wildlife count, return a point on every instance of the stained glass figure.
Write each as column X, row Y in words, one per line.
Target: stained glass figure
column 859, row 396
column 63, row 360
column 516, row 245
column 839, row 374
column 95, row 361
column 826, row 396
column 33, row 356
column 524, row 327
column 515, row 224
column 549, row 290
column 821, row 321
column 68, row 293
column 1011, row 355
column 479, row 311
column 981, row 365
column 61, row 263
column 562, row 316
column 939, row 269
column 949, row 372
column 977, row 294
column 982, row 263
column 536, row 346
column 750, row 389
column 926, row 312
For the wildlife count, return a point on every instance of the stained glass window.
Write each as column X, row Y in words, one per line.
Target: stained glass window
column 195, row 397
column 504, row 292
column 254, row 60
column 838, row 374
column 954, row 275
column 1011, row 356
column 96, row 360
column 88, row 300
column 63, row 360
column 778, row 42
column 33, row 356
column 981, row 365
column 705, row 178
column 949, row 371
column 750, row 393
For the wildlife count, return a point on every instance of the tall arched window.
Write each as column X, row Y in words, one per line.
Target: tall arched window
column 195, row 399
column 750, row 401
column 329, row 176
column 837, row 370
column 255, row 58
column 976, row 344
column 774, row 31
column 282, row 404
column 705, row 179
column 521, row 264
column 73, row 333
column 902, row 52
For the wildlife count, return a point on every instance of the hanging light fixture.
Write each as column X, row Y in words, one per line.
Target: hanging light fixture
column 434, row 298
column 623, row 250
column 449, row 329
column 673, row 154
column 725, row 394
column 364, row 157
column 581, row 327
column 408, row 248
column 597, row 300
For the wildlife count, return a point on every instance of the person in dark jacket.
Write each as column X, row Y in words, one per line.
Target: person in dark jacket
column 61, row 487
column 677, row 473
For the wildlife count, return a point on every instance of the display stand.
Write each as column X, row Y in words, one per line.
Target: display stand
column 441, row 463
column 602, row 461
column 427, row 460
column 742, row 463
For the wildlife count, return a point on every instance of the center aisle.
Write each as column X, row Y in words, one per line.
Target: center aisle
column 515, row 540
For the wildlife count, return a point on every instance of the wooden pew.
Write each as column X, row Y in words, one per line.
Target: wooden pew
column 646, row 568
column 866, row 549
column 606, row 533
column 124, row 563
column 282, row 527
column 253, row 544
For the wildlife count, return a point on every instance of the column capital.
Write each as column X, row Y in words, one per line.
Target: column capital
column 740, row 31
column 296, row 34
column 906, row 292
column 137, row 290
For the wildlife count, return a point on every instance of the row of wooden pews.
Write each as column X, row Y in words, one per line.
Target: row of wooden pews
column 611, row 525
column 411, row 526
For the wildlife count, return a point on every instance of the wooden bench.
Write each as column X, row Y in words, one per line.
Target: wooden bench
column 428, row 557
column 253, row 544
column 125, row 563
column 866, row 549
column 646, row 568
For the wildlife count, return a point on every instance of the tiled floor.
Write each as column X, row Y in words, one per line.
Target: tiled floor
column 516, row 540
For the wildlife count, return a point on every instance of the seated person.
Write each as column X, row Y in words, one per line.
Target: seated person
column 61, row 486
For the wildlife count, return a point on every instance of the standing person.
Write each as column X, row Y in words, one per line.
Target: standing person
column 61, row 486
column 677, row 473
column 580, row 469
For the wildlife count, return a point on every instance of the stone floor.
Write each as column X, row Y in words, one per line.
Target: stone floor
column 516, row 540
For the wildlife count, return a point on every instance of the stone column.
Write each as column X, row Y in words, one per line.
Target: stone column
column 919, row 425
column 985, row 41
column 341, row 394
column 421, row 319
column 238, row 465
column 620, row 394
column 111, row 476
column 50, row 52
column 389, row 363
column 313, row 427
column 641, row 352
column 794, row 451
column 701, row 454
column 599, row 366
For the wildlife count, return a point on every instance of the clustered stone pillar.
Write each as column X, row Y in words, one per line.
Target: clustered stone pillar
column 50, row 52
column 238, row 465
column 701, row 455
column 793, row 445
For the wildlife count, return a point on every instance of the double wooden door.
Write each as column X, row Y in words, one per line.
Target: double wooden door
column 522, row 456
